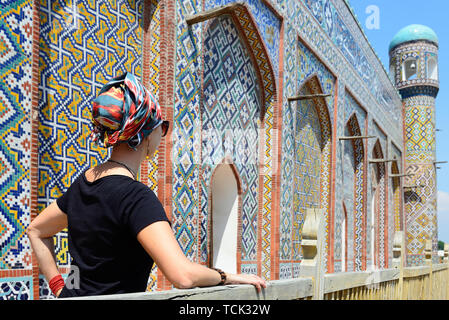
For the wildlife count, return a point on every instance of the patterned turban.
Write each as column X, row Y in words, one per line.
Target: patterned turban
column 124, row 111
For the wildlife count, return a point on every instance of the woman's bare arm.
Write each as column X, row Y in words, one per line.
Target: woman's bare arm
column 159, row 241
column 40, row 232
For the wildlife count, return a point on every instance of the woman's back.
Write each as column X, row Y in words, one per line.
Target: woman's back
column 104, row 217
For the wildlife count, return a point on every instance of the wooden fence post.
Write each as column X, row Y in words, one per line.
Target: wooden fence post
column 398, row 260
column 312, row 251
column 428, row 262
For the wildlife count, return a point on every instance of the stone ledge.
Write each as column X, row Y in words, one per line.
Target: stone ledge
column 276, row 290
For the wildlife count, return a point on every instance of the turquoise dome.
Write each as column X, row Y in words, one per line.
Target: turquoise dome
column 413, row 32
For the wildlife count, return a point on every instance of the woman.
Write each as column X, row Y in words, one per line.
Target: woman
column 116, row 225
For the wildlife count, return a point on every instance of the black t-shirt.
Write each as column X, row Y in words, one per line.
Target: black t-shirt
column 104, row 218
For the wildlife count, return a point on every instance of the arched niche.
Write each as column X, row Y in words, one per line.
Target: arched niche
column 410, row 69
column 224, row 221
column 379, row 221
column 242, row 19
column 307, row 165
column 354, row 193
column 231, row 109
column 372, row 229
column 238, row 93
column 432, row 68
column 311, row 160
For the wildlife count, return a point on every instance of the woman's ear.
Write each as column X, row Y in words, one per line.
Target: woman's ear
column 147, row 147
column 154, row 138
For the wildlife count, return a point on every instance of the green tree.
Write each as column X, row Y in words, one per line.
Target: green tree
column 440, row 245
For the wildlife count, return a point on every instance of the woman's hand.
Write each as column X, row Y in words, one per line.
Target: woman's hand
column 159, row 241
column 256, row 281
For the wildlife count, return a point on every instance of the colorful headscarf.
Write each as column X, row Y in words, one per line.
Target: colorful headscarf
column 124, row 111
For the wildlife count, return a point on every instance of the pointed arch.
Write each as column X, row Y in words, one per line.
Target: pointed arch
column 410, row 68
column 255, row 112
column 359, row 223
column 250, row 34
column 380, row 209
column 432, row 68
column 224, row 206
column 396, row 185
column 312, row 162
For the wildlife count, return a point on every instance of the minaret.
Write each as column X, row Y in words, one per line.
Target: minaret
column 414, row 71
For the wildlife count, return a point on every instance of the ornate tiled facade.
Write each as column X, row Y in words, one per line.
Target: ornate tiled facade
column 224, row 84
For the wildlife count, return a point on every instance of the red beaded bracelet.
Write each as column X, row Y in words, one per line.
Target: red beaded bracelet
column 222, row 275
column 56, row 283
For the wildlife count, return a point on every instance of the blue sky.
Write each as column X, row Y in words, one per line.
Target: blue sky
column 394, row 15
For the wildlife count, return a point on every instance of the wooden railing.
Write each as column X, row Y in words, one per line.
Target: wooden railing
column 427, row 282
column 417, row 283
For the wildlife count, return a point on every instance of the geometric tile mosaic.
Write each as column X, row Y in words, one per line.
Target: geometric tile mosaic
column 268, row 24
column 153, row 86
column 15, row 133
column 152, row 83
column 17, row 288
column 267, row 78
column 186, row 134
column 420, row 208
column 419, row 128
column 420, row 203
